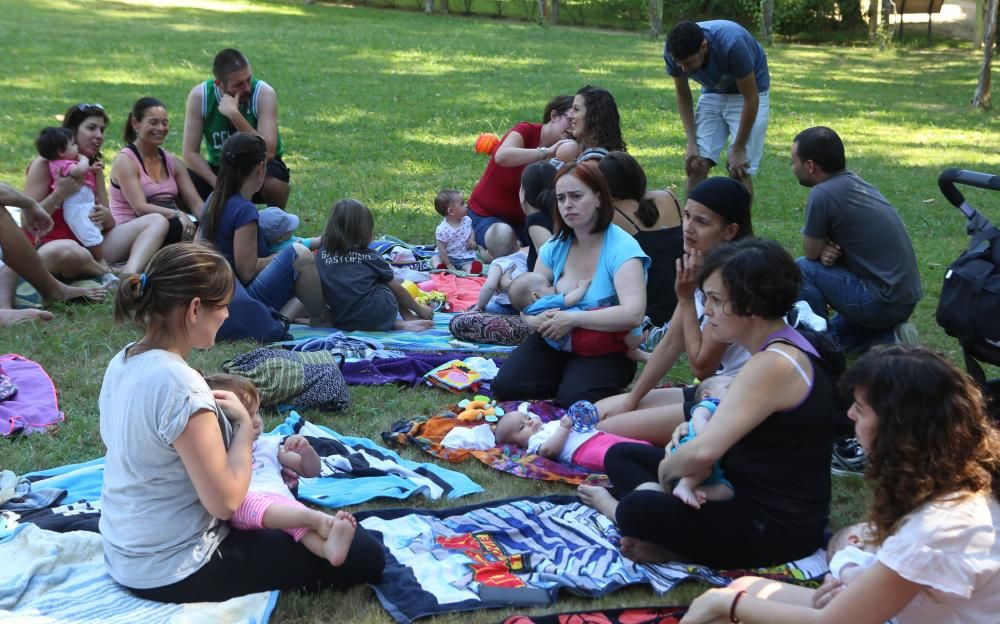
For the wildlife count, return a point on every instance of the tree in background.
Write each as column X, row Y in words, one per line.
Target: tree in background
column 983, row 98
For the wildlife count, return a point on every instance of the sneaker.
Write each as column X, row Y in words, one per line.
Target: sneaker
column 906, row 334
column 848, row 458
column 653, row 337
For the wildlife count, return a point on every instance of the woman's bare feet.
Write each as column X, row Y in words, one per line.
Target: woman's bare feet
column 642, row 551
column 339, row 540
column 598, row 498
column 414, row 326
column 13, row 317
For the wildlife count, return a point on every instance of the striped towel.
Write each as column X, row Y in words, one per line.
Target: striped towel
column 60, row 577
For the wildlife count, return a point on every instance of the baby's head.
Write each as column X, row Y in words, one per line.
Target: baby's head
column 715, row 387
column 276, row 225
column 501, row 240
column 245, row 391
column 517, row 428
column 528, row 288
column 450, row 203
column 57, row 144
column 858, row 535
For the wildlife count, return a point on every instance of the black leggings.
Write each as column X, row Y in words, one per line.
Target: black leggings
column 248, row 562
column 722, row 534
column 537, row 371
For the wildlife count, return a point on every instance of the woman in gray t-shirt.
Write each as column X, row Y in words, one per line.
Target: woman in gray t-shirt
column 176, row 467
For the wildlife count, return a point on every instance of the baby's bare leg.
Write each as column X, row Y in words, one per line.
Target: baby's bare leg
column 687, row 488
column 288, row 517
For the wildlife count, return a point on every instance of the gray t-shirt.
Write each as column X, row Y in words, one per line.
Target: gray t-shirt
column 155, row 529
column 873, row 240
column 355, row 287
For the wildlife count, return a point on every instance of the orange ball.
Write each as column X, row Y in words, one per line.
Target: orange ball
column 487, row 143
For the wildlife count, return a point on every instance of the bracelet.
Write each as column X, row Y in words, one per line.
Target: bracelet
column 732, row 609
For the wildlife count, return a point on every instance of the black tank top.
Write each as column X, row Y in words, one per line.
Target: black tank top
column 663, row 246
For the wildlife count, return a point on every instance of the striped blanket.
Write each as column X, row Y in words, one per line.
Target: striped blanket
column 60, row 577
column 521, row 552
column 437, row 339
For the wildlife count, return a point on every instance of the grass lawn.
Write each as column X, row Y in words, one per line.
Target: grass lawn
column 385, row 106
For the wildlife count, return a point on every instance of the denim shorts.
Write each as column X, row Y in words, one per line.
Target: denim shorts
column 717, row 119
column 275, row 285
column 480, row 224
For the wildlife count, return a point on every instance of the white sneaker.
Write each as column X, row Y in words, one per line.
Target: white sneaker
column 807, row 318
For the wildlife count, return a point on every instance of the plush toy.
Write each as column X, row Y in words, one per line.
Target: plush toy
column 487, row 143
column 480, row 408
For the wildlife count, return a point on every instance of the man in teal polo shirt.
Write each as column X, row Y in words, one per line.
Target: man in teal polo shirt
column 233, row 102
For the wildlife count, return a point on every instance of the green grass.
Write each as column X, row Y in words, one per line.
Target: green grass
column 385, row 105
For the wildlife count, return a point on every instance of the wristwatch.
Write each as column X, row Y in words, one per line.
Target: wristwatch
column 541, row 152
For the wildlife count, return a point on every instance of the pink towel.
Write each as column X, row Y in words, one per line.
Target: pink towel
column 35, row 406
column 462, row 292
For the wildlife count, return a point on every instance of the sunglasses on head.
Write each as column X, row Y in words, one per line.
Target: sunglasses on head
column 86, row 108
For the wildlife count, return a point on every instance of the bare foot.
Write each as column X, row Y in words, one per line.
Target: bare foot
column 692, row 496
column 74, row 293
column 340, row 538
column 598, row 498
column 13, row 317
column 323, row 524
column 414, row 326
column 645, row 552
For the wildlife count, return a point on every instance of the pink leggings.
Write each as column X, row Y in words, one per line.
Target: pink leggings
column 591, row 453
column 250, row 514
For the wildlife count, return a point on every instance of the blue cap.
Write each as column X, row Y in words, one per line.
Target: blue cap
column 275, row 223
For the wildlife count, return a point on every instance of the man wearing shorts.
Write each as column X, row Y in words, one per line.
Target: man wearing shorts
column 731, row 67
column 233, row 102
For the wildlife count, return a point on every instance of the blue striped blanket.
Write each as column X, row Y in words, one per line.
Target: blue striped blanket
column 521, row 552
column 433, row 340
column 355, row 470
column 60, row 577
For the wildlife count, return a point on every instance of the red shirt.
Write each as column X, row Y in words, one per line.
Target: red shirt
column 59, row 229
column 496, row 193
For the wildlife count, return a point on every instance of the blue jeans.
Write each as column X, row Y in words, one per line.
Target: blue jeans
column 275, row 285
column 861, row 319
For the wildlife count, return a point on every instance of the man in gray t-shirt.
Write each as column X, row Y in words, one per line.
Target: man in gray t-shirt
column 859, row 260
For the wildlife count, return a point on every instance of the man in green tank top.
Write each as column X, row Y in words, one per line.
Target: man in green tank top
column 233, row 102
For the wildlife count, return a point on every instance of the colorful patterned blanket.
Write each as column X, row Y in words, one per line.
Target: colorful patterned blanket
column 629, row 615
column 426, row 432
column 521, row 552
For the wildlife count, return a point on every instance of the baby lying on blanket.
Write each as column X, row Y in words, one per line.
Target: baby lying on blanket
column 558, row 440
column 533, row 294
column 269, row 503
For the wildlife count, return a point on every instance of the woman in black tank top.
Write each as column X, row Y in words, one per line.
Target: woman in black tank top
column 770, row 434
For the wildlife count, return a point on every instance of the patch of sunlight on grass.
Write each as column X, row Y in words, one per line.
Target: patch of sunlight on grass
column 222, row 6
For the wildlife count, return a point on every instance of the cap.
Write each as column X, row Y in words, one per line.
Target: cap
column 275, row 223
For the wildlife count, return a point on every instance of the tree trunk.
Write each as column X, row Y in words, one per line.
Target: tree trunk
column 428, row 6
column 655, row 17
column 980, row 24
column 541, row 10
column 767, row 21
column 444, row 6
column 886, row 12
column 872, row 19
column 554, row 13
column 982, row 98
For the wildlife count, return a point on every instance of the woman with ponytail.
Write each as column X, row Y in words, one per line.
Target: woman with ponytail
column 146, row 179
column 287, row 281
column 654, row 219
column 178, row 459
column 538, row 201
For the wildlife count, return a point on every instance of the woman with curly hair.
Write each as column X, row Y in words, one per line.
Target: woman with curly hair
column 595, row 124
column 934, row 459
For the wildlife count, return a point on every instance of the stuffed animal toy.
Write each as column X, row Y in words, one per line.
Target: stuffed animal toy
column 480, row 408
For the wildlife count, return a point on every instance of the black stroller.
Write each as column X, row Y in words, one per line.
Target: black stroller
column 969, row 308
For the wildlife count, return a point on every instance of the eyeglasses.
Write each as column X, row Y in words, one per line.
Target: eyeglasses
column 88, row 108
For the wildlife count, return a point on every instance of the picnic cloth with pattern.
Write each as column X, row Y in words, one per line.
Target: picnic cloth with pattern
column 426, row 432
column 437, row 560
column 60, row 577
column 298, row 378
column 628, row 615
column 462, row 292
column 435, row 340
column 27, row 297
column 34, row 406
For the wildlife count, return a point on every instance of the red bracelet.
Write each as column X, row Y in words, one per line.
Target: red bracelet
column 732, row 609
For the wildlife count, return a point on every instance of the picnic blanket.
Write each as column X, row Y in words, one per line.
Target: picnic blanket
column 60, row 577
column 628, row 615
column 34, row 406
column 356, row 470
column 462, row 292
column 435, row 340
column 298, row 378
column 27, row 297
column 426, row 432
column 407, row 370
column 441, row 561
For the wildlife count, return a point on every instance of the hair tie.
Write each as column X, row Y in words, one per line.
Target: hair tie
column 229, row 157
column 142, row 281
